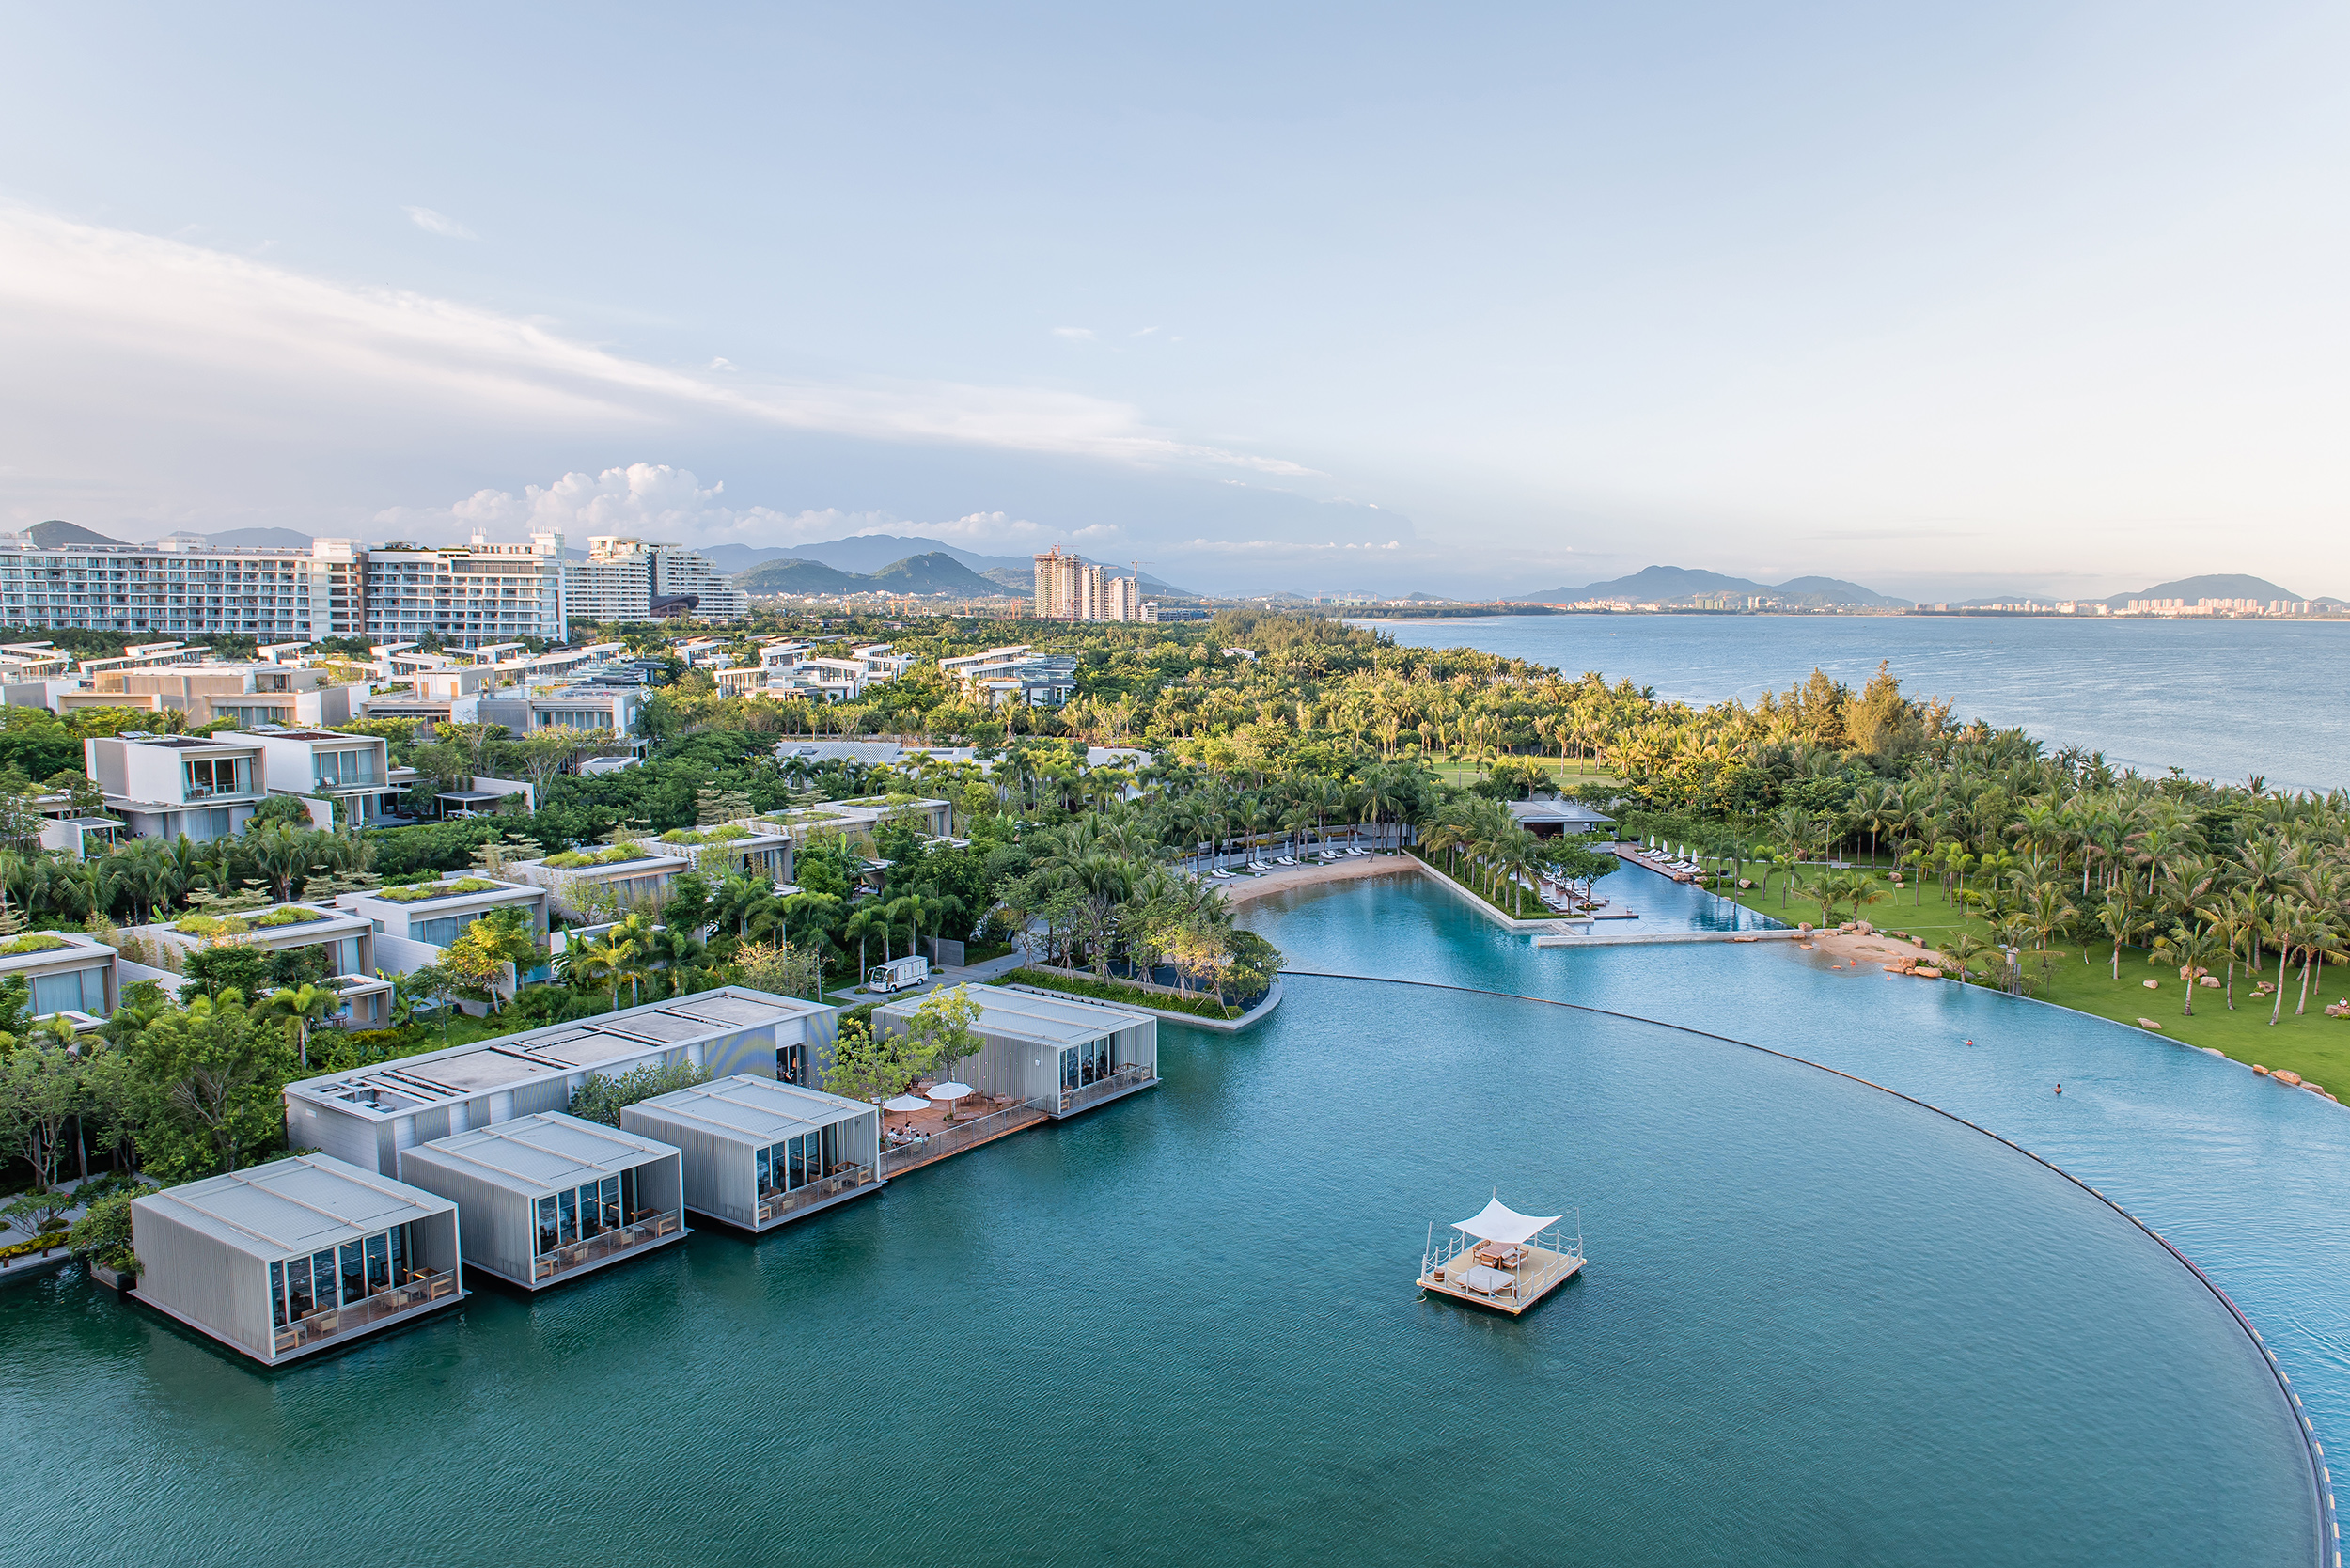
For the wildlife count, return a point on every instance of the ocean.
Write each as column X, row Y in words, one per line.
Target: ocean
column 2224, row 700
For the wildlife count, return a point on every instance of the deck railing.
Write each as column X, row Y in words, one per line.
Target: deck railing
column 821, row 1190
column 962, row 1135
column 579, row 1254
column 1129, row 1077
column 338, row 1320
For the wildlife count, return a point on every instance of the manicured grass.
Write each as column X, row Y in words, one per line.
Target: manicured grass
column 1574, row 772
column 2312, row 1045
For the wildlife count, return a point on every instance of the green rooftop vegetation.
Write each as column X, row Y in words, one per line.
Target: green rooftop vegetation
column 567, row 860
column 439, row 890
column 705, row 835
column 236, row 925
column 33, row 942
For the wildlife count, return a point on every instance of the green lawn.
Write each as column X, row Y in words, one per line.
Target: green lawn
column 1462, row 774
column 2312, row 1045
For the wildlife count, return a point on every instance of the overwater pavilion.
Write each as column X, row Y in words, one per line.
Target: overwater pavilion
column 1501, row 1259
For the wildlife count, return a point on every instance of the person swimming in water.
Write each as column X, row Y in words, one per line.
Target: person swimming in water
column 2060, row 1089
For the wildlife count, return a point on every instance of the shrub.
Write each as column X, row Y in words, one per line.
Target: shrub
column 602, row 1098
column 102, row 1235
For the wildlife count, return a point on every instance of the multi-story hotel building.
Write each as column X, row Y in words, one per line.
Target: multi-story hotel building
column 627, row 579
column 182, row 587
column 466, row 595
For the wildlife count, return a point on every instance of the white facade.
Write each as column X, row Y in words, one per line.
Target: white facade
column 181, row 586
column 164, row 786
column 467, row 595
column 354, row 769
column 624, row 579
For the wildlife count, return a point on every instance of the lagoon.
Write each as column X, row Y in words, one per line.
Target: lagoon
column 1821, row 1322
column 2222, row 699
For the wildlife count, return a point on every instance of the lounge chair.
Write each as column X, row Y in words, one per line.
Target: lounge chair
column 1285, row 861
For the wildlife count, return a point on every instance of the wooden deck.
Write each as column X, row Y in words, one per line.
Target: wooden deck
column 1541, row 1272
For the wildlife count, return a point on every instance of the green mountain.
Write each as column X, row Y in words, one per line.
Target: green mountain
column 57, row 531
column 1671, row 585
column 932, row 571
column 798, row 576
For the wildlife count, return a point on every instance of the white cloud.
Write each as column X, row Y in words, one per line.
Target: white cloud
column 722, row 363
column 655, row 501
column 1144, row 332
column 438, row 223
column 1075, row 335
column 263, row 339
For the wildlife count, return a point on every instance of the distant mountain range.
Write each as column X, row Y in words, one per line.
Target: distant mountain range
column 1679, row 585
column 932, row 571
column 872, row 554
column 2218, row 585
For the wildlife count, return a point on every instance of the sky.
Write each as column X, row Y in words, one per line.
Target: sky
column 1990, row 299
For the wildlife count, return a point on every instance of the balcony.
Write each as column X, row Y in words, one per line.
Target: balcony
column 1128, row 1077
column 646, row 1228
column 843, row 1178
column 418, row 1290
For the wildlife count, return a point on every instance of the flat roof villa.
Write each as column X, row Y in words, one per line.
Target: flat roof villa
column 759, row 1153
column 68, row 974
column 167, row 785
column 298, row 1256
column 278, row 925
column 368, row 1115
column 1063, row 1055
column 935, row 818
column 1546, row 819
column 545, row 1199
column 583, row 879
column 433, row 912
column 751, row 846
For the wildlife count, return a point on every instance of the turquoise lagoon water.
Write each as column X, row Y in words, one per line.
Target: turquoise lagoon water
column 1821, row 1324
column 2222, row 698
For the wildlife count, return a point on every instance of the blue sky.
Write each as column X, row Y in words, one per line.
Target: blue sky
column 2001, row 297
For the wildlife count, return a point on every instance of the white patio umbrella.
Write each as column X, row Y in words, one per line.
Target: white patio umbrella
column 949, row 1093
column 905, row 1102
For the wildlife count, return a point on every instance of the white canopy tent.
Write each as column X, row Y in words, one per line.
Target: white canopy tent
column 1502, row 1224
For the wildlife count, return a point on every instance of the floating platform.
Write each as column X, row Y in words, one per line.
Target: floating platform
column 1538, row 1272
column 1501, row 1259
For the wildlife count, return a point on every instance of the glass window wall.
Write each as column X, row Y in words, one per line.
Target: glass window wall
column 337, row 1276
column 793, row 1164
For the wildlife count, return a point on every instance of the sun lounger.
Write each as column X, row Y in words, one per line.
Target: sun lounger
column 1284, row 860
column 1488, row 1281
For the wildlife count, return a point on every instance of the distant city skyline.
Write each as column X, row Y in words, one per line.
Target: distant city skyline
column 2024, row 300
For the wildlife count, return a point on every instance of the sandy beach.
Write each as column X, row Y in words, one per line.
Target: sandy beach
column 1282, row 878
column 1874, row 947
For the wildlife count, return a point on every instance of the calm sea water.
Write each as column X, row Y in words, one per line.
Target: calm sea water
column 2222, row 699
column 1821, row 1324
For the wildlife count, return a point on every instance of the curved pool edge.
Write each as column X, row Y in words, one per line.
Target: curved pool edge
column 2321, row 1477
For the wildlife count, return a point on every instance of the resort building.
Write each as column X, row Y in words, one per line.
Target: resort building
column 601, row 879
column 302, row 1254
column 353, row 771
column 466, row 595
column 1002, row 677
column 759, row 1152
column 163, row 786
column 752, row 847
column 66, row 974
column 367, row 1115
column 347, row 939
column 627, row 579
column 432, row 913
column 545, row 1198
column 243, row 694
column 183, row 586
column 1547, row 819
column 613, row 709
column 1063, row 1055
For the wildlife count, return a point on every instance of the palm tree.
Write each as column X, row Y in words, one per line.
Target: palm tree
column 862, row 925
column 301, row 1006
column 2192, row 946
